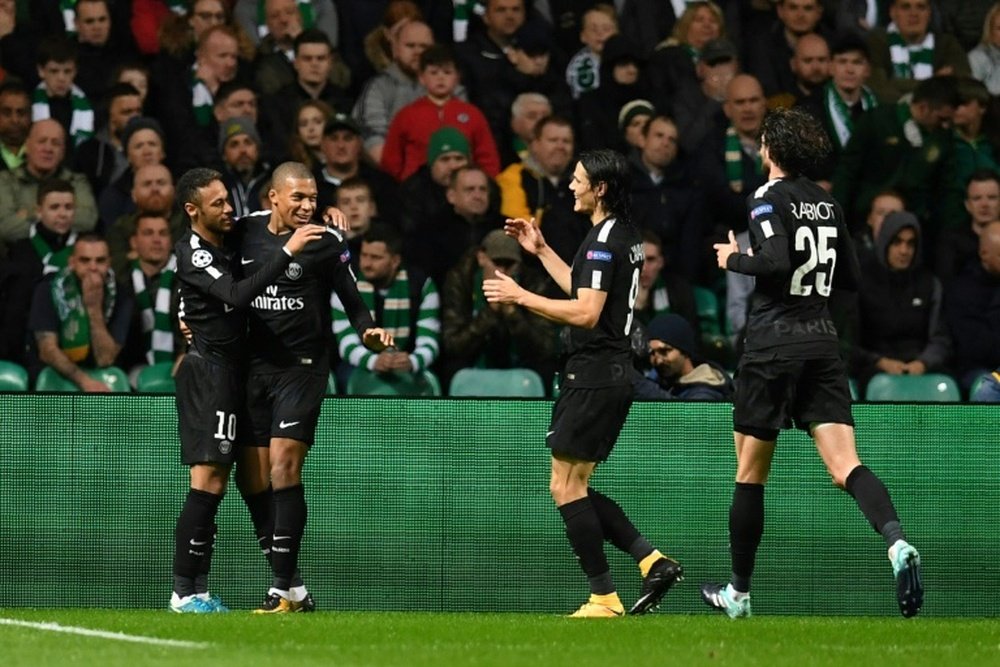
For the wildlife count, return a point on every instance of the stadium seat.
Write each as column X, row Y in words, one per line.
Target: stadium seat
column 12, row 377
column 331, row 385
column 932, row 387
column 521, row 382
column 156, row 379
column 707, row 305
column 365, row 383
column 50, row 379
column 853, row 385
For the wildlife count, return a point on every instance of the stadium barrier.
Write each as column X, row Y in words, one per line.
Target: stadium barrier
column 440, row 504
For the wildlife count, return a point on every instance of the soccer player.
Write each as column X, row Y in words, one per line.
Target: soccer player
column 791, row 369
column 596, row 392
column 290, row 339
column 210, row 395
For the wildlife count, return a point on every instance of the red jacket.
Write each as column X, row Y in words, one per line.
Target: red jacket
column 405, row 148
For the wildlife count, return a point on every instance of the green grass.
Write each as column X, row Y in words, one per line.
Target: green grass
column 345, row 639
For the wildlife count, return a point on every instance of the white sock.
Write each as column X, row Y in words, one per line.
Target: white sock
column 278, row 592
column 297, row 593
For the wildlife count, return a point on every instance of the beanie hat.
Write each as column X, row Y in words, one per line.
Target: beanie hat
column 446, row 140
column 633, row 109
column 236, row 126
column 673, row 330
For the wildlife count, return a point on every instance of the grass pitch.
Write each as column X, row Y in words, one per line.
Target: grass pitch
column 417, row 639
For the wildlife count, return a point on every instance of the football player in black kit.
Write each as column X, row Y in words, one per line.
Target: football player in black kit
column 791, row 370
column 596, row 392
column 210, row 388
column 290, row 332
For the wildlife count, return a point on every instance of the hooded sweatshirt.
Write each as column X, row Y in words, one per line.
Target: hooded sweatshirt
column 899, row 310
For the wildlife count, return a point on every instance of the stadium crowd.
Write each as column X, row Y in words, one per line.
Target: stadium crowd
column 429, row 122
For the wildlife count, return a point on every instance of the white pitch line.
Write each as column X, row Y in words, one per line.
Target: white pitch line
column 103, row 634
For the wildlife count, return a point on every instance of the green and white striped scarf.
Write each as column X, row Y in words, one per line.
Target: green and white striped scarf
column 840, row 114
column 463, row 9
column 81, row 125
column 734, row 160
column 306, row 10
column 68, row 10
column 201, row 100
column 910, row 61
column 52, row 260
column 74, row 324
column 154, row 314
column 395, row 319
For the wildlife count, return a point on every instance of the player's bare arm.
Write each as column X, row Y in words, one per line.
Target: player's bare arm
column 583, row 311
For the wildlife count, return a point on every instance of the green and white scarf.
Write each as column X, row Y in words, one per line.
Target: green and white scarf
column 68, row 10
column 306, row 10
column 52, row 260
column 81, row 125
column 911, row 129
column 840, row 114
column 179, row 7
column 201, row 100
column 734, row 160
column 395, row 307
column 74, row 324
column 463, row 9
column 154, row 313
column 910, row 61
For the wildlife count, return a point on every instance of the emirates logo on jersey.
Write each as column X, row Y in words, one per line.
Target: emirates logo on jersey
column 294, row 271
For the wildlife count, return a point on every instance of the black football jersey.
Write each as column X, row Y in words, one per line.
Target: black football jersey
column 610, row 260
column 213, row 299
column 290, row 322
column 801, row 251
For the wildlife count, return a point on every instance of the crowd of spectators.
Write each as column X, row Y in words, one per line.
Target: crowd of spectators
column 429, row 122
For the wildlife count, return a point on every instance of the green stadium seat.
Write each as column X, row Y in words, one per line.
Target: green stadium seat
column 50, row 380
column 13, row 377
column 331, row 385
column 707, row 305
column 366, row 383
column 853, row 385
column 932, row 387
column 521, row 382
column 157, row 379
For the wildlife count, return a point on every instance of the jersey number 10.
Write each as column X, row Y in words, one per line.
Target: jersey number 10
column 821, row 256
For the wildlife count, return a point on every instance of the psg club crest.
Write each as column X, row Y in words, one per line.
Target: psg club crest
column 294, row 271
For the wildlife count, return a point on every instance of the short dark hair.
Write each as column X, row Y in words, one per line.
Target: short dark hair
column 551, row 119
column 849, row 42
column 436, row 55
column 227, row 88
column 453, row 178
column 312, row 36
column 51, row 185
column 968, row 89
column 55, row 49
column 14, row 88
column 355, row 182
column 983, row 175
column 937, row 91
column 387, row 234
column 656, row 116
column 76, row 8
column 290, row 169
column 121, row 89
column 609, row 167
column 192, row 181
column 649, row 236
column 796, row 142
column 90, row 237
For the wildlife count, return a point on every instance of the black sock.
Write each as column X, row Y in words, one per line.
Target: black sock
column 583, row 529
column 875, row 503
column 746, row 527
column 289, row 524
column 192, row 538
column 201, row 580
column 260, row 505
column 617, row 527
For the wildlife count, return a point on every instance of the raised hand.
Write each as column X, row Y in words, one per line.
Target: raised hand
column 525, row 232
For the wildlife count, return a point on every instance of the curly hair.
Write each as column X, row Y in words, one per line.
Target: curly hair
column 795, row 140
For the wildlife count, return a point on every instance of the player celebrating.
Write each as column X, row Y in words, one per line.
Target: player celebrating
column 210, row 394
column 791, row 369
column 290, row 330
column 596, row 392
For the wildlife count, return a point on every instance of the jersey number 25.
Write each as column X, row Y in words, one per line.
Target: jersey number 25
column 821, row 261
